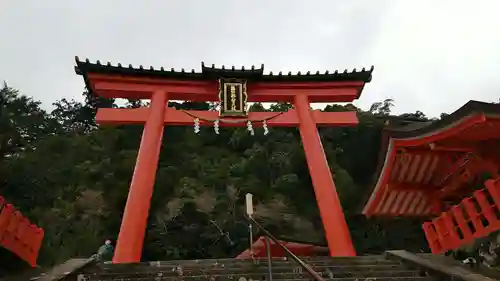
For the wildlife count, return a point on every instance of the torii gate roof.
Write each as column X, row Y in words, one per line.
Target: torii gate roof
column 213, row 72
column 202, row 86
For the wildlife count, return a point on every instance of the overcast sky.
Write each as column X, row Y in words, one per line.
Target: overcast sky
column 429, row 55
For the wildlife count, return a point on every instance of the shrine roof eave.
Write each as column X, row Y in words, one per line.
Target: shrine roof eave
column 421, row 130
column 210, row 73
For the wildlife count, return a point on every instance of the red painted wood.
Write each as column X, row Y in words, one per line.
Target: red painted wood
column 436, row 204
column 431, row 138
column 396, row 203
column 144, row 91
column 452, row 234
column 337, row 119
column 462, row 223
column 397, row 144
column 370, row 209
column 35, row 244
column 455, row 167
column 210, row 93
column 336, row 229
column 474, row 216
column 493, row 187
column 135, row 216
column 432, row 238
column 175, row 117
column 486, row 208
column 141, row 88
column 457, row 180
column 5, row 216
column 299, row 249
column 8, row 240
column 20, row 236
column 412, row 187
column 27, row 236
column 441, row 232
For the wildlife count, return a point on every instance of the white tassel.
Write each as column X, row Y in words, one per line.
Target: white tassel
column 266, row 130
column 196, row 125
column 250, row 128
column 216, row 126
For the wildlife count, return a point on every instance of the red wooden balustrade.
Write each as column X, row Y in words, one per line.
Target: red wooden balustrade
column 18, row 235
column 473, row 218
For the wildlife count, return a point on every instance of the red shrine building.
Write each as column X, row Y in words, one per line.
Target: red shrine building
column 18, row 235
column 231, row 88
column 259, row 250
column 444, row 171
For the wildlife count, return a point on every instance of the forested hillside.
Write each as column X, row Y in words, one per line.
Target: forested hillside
column 71, row 178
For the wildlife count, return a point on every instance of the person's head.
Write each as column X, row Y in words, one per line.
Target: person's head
column 108, row 242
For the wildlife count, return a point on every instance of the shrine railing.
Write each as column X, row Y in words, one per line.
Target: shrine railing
column 18, row 234
column 315, row 275
column 475, row 217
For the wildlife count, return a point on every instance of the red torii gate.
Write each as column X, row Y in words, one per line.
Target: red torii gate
column 233, row 88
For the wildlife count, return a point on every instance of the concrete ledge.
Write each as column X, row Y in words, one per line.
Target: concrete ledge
column 453, row 272
column 59, row 272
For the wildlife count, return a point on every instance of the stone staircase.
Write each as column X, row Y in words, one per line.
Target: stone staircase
column 341, row 269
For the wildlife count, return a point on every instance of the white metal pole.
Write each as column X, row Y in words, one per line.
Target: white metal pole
column 249, row 207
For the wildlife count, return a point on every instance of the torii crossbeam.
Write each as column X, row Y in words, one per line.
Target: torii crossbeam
column 233, row 88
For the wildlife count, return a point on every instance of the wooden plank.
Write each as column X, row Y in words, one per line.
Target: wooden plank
column 456, row 272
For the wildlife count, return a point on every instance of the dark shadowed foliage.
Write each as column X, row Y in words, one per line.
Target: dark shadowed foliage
column 71, row 177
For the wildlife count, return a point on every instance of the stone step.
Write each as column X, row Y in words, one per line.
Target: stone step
column 231, row 263
column 249, row 268
column 253, row 276
column 250, row 278
column 384, row 278
column 60, row 271
column 244, row 268
column 359, row 259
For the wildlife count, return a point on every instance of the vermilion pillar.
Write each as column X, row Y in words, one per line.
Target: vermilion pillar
column 336, row 229
column 135, row 216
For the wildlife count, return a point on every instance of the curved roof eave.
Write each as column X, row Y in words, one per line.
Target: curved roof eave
column 421, row 130
column 424, row 128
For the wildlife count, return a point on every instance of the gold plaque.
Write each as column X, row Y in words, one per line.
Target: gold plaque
column 233, row 97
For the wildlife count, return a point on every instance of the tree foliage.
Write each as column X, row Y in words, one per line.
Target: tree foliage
column 71, row 177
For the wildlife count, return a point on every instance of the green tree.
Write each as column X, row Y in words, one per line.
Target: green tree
column 22, row 122
column 72, row 177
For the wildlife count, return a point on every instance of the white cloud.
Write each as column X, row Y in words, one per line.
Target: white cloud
column 428, row 55
column 437, row 55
